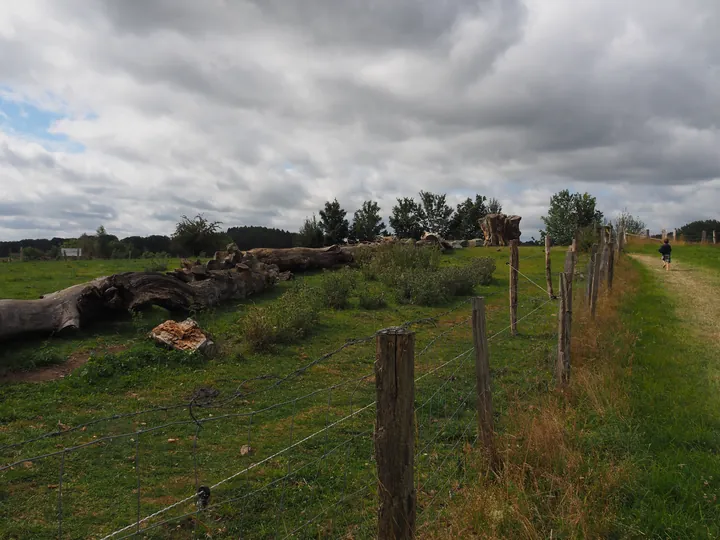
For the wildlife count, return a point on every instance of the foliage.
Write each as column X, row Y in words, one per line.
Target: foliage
column 32, row 254
column 494, row 206
column 336, row 287
column 692, row 232
column 569, row 213
column 311, row 234
column 102, row 367
column 367, row 223
column 248, row 238
column 465, row 222
column 158, row 263
column 104, row 243
column 371, row 299
column 405, row 219
column 390, row 262
column 434, row 213
column 198, row 234
column 334, row 224
column 629, row 223
column 290, row 318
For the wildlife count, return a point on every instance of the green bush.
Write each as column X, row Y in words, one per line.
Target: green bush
column 387, row 262
column 372, row 299
column 422, row 288
column 157, row 264
column 462, row 280
column 336, row 288
column 286, row 320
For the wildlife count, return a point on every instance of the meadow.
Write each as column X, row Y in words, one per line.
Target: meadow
column 264, row 402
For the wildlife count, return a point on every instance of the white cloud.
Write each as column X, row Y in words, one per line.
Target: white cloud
column 258, row 112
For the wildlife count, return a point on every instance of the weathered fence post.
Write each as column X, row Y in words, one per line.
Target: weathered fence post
column 548, row 271
column 663, row 235
column 591, row 274
column 647, row 233
column 674, row 235
column 514, row 267
column 620, row 240
column 395, row 433
column 595, row 281
column 714, row 238
column 486, row 431
column 562, row 368
column 611, row 266
column 703, row 237
column 570, row 258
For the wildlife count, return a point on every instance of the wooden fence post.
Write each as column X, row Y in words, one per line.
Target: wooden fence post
column 591, row 275
column 562, row 368
column 647, row 233
column 714, row 238
column 674, row 235
column 395, row 433
column 620, row 240
column 595, row 281
column 663, row 235
column 548, row 271
column 486, row 431
column 514, row 267
column 570, row 258
column 611, row 266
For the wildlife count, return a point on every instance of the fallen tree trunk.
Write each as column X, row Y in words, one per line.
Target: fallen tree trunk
column 300, row 259
column 78, row 306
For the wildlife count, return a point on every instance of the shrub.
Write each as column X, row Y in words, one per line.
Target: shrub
column 483, row 269
column 387, row 261
column 157, row 264
column 336, row 288
column 32, row 254
column 461, row 280
column 289, row 318
column 372, row 300
column 422, row 288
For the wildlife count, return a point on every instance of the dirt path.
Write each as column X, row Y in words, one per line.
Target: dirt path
column 696, row 293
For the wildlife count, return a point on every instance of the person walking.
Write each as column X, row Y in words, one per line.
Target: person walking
column 666, row 250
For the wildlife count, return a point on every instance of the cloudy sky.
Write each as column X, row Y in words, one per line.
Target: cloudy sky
column 132, row 113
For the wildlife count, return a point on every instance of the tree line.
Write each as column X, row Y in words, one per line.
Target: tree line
column 409, row 218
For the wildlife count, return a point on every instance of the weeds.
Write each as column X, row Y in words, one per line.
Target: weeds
column 336, row 288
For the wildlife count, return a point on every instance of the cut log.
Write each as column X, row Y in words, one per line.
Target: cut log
column 300, row 259
column 499, row 229
column 108, row 297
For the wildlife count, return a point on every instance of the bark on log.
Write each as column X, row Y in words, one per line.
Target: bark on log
column 499, row 229
column 107, row 297
column 300, row 259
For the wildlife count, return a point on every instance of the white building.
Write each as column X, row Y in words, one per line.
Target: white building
column 71, row 252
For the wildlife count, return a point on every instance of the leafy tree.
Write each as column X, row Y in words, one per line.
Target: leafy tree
column 311, row 234
column 494, row 206
column 88, row 244
column 569, row 213
column 334, row 224
column 465, row 223
column 434, row 213
column 103, row 243
column 367, row 223
column 692, row 232
column 248, row 237
column 629, row 223
column 405, row 219
column 198, row 235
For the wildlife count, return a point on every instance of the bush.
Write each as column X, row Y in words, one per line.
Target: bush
column 32, row 254
column 336, row 288
column 388, row 261
column 289, row 318
column 157, row 264
column 461, row 280
column 372, row 300
column 422, row 288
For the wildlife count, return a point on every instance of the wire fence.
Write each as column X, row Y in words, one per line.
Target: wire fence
column 301, row 452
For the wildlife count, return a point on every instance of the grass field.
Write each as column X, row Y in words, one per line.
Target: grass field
column 99, row 487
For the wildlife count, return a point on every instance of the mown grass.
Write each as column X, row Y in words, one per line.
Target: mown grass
column 100, row 481
column 704, row 256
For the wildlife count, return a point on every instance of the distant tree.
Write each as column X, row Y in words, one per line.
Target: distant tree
column 629, row 223
column 434, row 213
column 198, row 235
column 249, row 237
column 367, row 223
column 692, row 231
column 405, row 219
column 569, row 213
column 334, row 224
column 103, row 243
column 494, row 206
column 465, row 222
column 311, row 234
column 32, row 254
column 88, row 245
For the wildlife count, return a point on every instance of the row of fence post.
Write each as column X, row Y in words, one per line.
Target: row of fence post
column 703, row 236
column 395, row 382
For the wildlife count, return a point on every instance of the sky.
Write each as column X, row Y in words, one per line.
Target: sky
column 131, row 114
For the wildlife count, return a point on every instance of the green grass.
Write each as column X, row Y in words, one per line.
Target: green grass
column 99, row 481
column 675, row 431
column 705, row 256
